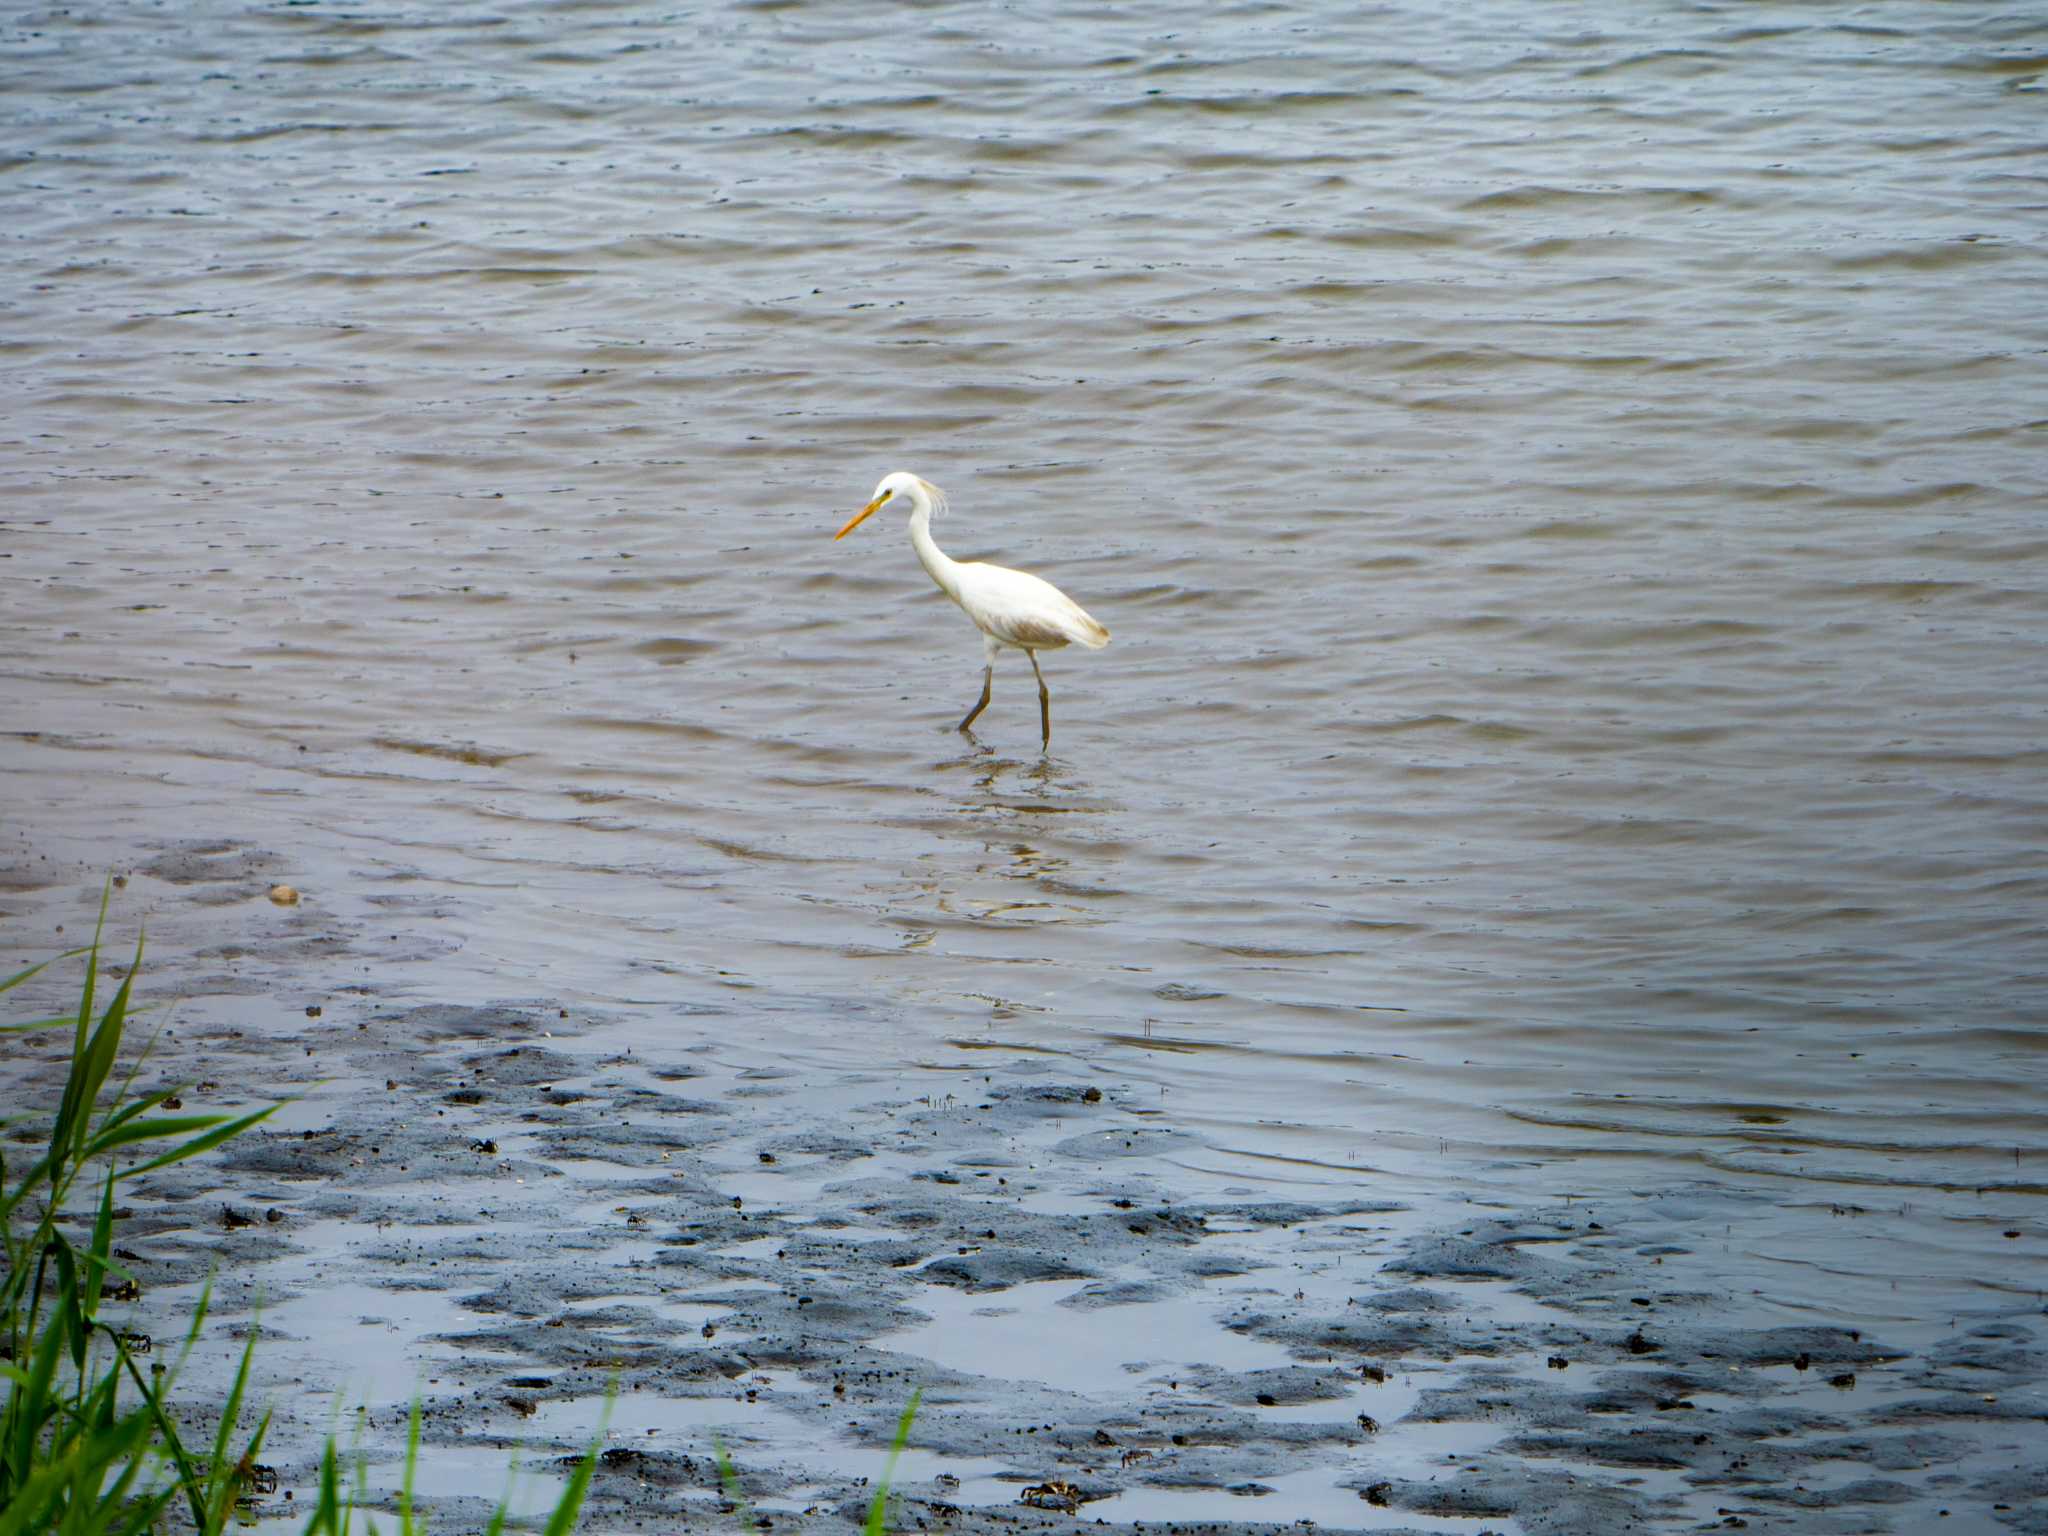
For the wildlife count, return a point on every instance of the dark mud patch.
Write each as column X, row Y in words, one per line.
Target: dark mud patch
column 249, row 871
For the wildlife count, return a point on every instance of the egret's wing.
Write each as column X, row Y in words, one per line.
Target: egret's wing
column 1021, row 609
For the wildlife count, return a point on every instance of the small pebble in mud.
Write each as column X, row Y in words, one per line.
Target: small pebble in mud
column 273, row 1215
column 284, row 896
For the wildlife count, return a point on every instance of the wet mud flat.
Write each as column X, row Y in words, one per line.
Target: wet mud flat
column 495, row 1208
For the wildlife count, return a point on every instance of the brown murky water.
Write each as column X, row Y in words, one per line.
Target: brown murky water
column 1567, row 491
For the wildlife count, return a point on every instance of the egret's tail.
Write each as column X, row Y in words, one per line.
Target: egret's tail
column 1091, row 634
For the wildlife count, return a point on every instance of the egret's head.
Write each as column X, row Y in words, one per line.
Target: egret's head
column 901, row 487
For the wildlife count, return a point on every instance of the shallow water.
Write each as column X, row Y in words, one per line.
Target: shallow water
column 1566, row 492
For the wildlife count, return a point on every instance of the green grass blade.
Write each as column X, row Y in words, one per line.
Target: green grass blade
column 207, row 1142
column 99, row 1255
column 28, row 1407
column 230, row 1488
column 38, row 1172
column 99, row 1056
column 34, row 1024
column 70, row 1310
column 222, row 1479
column 152, row 1391
column 112, row 1137
column 326, row 1514
column 142, row 1106
column 200, row 1308
column 570, row 1505
column 729, row 1480
column 20, row 976
column 120, row 1512
column 407, row 1524
column 111, row 1499
column 878, row 1511
column 83, row 1460
column 67, row 1107
column 100, row 1405
column 563, row 1520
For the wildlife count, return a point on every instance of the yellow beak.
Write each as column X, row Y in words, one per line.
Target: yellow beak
column 858, row 518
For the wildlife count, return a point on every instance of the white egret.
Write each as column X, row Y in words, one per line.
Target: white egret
column 1011, row 608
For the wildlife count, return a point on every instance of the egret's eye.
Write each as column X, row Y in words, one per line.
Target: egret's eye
column 887, row 494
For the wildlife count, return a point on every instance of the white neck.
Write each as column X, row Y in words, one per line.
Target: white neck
column 944, row 570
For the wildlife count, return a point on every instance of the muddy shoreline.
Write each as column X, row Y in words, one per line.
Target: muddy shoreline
column 488, row 1202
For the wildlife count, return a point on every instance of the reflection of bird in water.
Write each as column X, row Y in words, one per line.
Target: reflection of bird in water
column 1011, row 608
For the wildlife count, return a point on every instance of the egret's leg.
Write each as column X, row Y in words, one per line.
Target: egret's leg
column 1044, row 704
column 988, row 677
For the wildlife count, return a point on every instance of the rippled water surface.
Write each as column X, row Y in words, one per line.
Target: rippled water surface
column 1566, row 486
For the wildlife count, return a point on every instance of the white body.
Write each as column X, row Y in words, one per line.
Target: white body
column 1013, row 608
